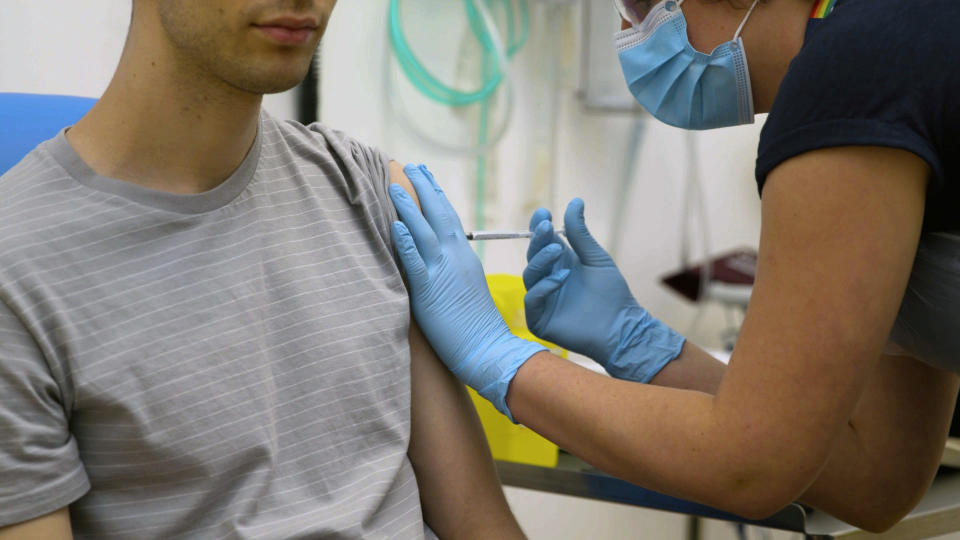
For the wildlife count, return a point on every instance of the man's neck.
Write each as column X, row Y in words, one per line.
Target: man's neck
column 163, row 128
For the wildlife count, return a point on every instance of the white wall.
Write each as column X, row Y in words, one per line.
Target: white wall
column 55, row 47
column 51, row 46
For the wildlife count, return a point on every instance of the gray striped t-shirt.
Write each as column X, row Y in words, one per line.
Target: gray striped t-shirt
column 232, row 364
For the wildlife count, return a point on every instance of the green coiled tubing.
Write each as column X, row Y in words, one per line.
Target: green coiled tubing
column 493, row 73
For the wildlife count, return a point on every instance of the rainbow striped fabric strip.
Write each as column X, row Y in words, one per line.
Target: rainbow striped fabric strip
column 822, row 8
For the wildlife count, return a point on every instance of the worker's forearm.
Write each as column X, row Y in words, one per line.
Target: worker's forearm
column 637, row 435
column 695, row 369
column 861, row 458
column 665, row 439
column 890, row 449
column 849, row 475
column 862, row 455
column 849, row 462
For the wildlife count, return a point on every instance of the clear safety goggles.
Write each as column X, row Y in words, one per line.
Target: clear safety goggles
column 634, row 11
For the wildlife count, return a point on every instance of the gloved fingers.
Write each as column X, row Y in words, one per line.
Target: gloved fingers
column 431, row 199
column 540, row 214
column 451, row 211
column 436, row 208
column 413, row 264
column 541, row 265
column 416, row 225
column 582, row 242
column 536, row 300
column 543, row 235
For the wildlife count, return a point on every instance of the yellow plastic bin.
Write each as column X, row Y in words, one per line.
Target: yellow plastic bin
column 509, row 441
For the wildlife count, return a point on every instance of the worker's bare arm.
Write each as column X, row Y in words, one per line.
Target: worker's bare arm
column 891, row 444
column 840, row 229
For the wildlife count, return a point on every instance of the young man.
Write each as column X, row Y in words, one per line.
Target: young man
column 203, row 329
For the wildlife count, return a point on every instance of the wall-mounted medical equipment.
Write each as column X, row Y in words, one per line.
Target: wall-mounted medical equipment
column 454, row 56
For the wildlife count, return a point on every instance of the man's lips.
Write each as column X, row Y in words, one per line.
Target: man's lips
column 288, row 30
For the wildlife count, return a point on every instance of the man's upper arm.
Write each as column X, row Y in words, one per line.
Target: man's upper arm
column 840, row 230
column 53, row 526
column 459, row 489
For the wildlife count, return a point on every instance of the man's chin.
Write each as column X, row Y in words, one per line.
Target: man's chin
column 272, row 84
column 278, row 88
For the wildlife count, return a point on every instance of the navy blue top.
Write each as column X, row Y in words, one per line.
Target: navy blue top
column 878, row 73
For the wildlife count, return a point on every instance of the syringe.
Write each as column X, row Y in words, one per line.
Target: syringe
column 502, row 235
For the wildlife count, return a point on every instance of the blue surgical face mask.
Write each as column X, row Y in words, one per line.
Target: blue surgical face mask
column 676, row 83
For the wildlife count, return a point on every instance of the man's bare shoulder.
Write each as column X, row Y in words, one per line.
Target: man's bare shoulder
column 397, row 176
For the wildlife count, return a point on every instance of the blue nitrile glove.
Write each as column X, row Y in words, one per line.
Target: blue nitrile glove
column 449, row 294
column 577, row 299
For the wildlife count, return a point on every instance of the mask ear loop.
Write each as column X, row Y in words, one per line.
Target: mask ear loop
column 744, row 21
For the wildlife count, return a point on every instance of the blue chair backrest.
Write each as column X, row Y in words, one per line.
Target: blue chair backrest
column 27, row 120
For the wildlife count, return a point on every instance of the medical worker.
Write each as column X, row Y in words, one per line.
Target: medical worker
column 842, row 385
